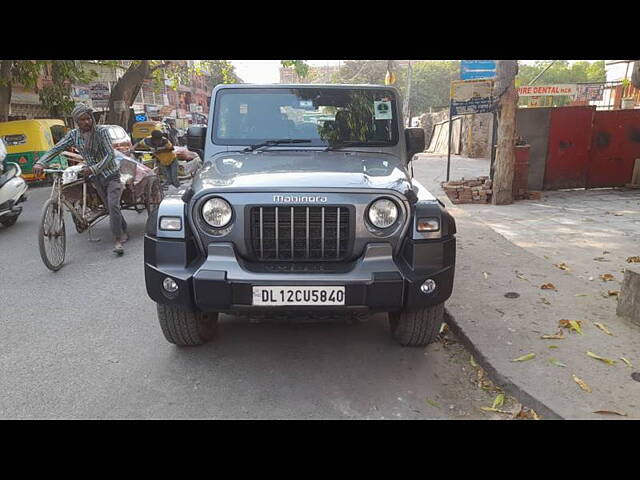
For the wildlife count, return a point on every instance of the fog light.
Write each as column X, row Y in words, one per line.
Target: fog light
column 169, row 285
column 171, row 223
column 428, row 286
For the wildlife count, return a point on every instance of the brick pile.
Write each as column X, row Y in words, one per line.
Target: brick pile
column 468, row 190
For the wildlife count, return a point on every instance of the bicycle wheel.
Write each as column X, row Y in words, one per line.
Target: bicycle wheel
column 153, row 195
column 52, row 236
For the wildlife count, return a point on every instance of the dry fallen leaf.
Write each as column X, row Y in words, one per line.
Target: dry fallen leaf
column 582, row 384
column 486, row 275
column 610, row 412
column 473, row 362
column 603, row 328
column 613, row 293
column 557, row 336
column 524, row 358
column 527, row 414
column 601, row 259
column 581, row 295
column 607, row 277
column 571, row 325
column 602, row 359
column 633, row 260
column 548, row 286
column 626, row 361
column 562, row 266
column 545, row 301
column 557, row 363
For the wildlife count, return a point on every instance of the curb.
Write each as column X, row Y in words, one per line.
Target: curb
column 496, row 376
column 504, row 382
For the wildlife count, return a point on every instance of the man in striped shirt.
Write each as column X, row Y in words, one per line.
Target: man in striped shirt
column 94, row 144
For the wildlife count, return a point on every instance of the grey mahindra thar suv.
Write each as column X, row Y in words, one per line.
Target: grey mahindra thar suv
column 304, row 203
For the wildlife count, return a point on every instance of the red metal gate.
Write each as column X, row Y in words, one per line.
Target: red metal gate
column 615, row 146
column 568, row 149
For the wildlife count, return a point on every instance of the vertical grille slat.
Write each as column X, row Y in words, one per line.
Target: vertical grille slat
column 307, row 253
column 277, row 240
column 261, row 237
column 338, row 235
column 322, row 230
column 300, row 233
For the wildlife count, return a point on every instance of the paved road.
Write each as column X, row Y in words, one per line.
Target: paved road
column 84, row 342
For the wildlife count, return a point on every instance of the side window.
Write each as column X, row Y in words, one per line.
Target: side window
column 18, row 139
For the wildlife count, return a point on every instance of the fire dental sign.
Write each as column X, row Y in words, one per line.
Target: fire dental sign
column 548, row 90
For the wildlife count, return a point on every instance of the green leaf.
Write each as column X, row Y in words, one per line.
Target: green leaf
column 473, row 362
column 552, row 347
column 433, row 403
column 626, row 361
column 524, row 358
column 557, row 363
column 498, row 401
column 491, row 409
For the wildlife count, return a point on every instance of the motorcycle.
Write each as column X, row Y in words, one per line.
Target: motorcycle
column 13, row 189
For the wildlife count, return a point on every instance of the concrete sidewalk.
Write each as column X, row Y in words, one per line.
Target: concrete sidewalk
column 498, row 329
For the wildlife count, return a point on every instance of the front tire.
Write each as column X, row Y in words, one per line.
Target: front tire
column 186, row 328
column 52, row 236
column 417, row 328
column 9, row 221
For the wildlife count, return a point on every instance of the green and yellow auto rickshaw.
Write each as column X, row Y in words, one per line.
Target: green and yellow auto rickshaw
column 28, row 140
column 141, row 130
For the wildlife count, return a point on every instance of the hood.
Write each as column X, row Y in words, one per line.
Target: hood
column 288, row 170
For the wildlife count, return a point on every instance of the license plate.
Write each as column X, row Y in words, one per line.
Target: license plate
column 302, row 296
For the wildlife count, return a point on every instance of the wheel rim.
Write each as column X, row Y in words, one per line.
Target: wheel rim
column 54, row 235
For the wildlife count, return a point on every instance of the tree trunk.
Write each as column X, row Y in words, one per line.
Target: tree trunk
column 505, row 153
column 126, row 90
column 635, row 74
column 5, row 89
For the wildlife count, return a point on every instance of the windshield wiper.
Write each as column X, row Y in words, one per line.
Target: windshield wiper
column 270, row 143
column 338, row 146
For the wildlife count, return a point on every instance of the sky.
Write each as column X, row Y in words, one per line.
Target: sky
column 267, row 71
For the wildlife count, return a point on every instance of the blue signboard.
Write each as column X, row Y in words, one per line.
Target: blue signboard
column 475, row 69
column 141, row 117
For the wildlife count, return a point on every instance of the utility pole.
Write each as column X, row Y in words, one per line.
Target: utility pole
column 507, row 104
column 407, row 111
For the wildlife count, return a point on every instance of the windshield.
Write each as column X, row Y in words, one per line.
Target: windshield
column 325, row 116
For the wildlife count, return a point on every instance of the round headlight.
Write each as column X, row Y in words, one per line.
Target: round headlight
column 216, row 212
column 383, row 213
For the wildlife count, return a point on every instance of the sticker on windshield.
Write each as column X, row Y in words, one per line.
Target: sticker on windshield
column 243, row 108
column 382, row 110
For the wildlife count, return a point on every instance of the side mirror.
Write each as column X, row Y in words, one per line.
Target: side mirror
column 415, row 141
column 196, row 139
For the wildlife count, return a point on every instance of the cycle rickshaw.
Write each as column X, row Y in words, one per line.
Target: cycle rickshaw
column 73, row 193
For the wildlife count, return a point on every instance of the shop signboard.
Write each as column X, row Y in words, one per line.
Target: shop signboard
column 569, row 89
column 471, row 96
column 100, row 93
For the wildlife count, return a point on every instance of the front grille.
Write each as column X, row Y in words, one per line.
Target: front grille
column 298, row 233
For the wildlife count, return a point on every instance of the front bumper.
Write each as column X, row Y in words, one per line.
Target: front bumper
column 222, row 282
